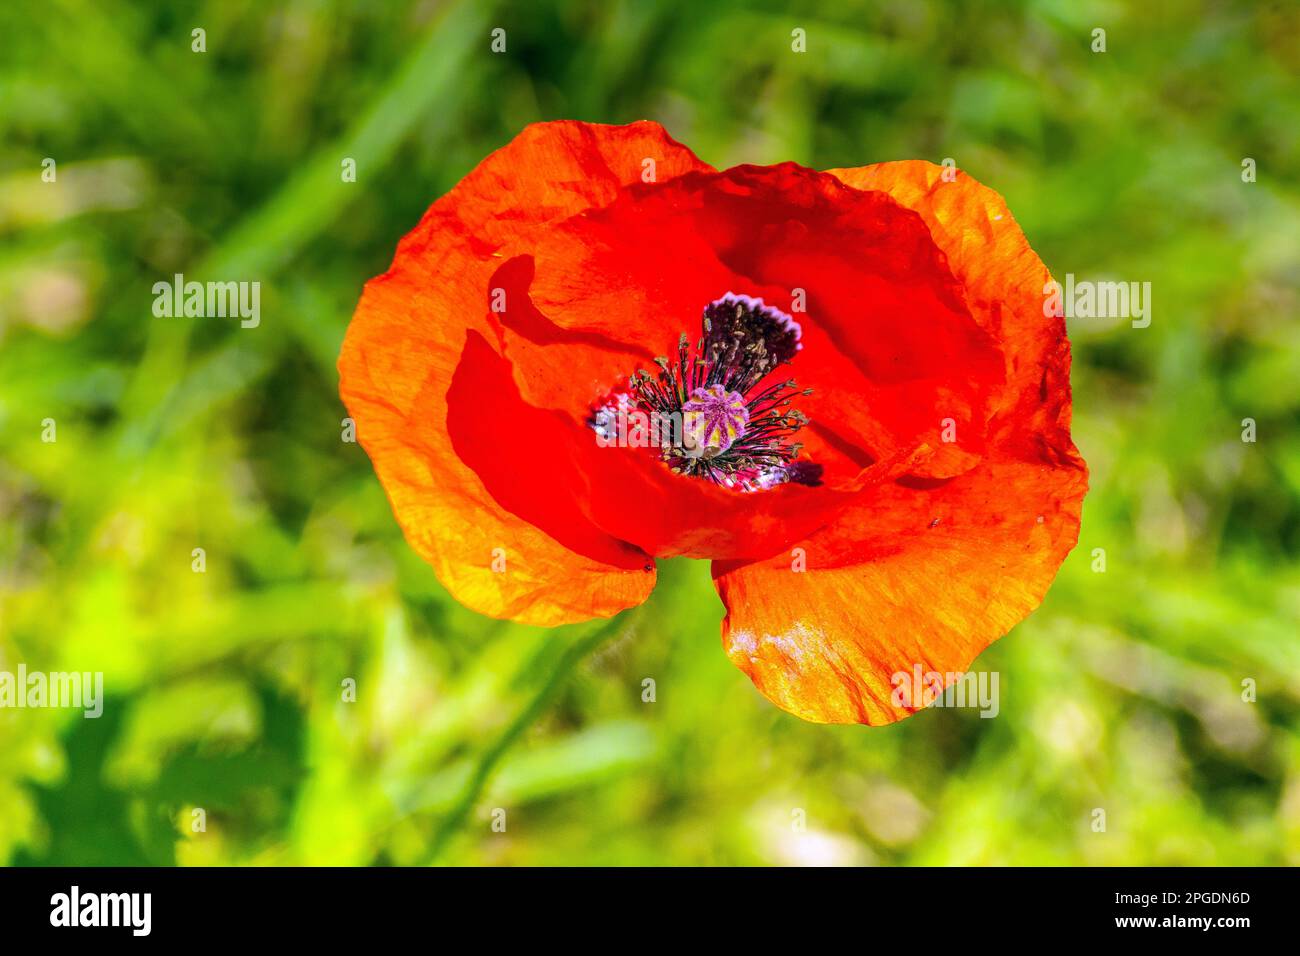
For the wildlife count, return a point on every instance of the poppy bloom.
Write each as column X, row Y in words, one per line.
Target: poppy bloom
column 864, row 411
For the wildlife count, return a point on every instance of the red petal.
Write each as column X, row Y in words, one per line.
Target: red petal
column 1002, row 282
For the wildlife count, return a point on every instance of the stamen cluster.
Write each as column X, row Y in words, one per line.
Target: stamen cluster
column 744, row 341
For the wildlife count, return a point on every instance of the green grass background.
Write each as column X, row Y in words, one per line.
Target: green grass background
column 1122, row 692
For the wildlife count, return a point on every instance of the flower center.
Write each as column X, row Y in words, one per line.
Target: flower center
column 714, row 416
column 712, row 420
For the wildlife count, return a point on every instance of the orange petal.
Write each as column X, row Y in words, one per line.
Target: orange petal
column 405, row 342
column 910, row 576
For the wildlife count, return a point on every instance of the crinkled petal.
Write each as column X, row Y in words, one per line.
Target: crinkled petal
column 1003, row 284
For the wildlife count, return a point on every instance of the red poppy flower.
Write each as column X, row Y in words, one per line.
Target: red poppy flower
column 866, row 413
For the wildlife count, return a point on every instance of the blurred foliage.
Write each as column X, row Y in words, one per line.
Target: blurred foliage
column 1122, row 692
